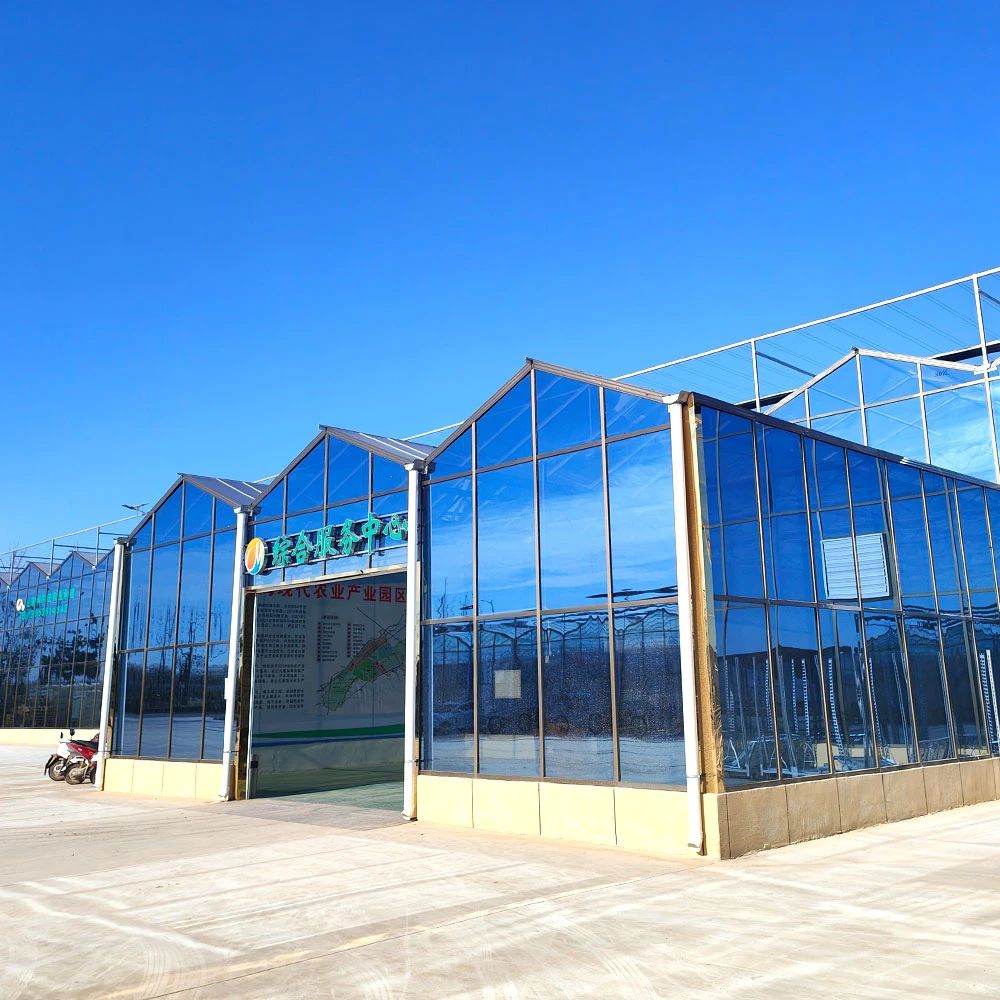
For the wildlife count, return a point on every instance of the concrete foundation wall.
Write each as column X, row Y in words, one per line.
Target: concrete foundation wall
column 177, row 779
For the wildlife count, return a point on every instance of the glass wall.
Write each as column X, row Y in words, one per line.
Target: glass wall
column 173, row 645
column 550, row 644
column 53, row 629
column 855, row 604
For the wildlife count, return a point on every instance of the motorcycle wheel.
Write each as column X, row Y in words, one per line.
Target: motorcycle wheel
column 57, row 772
column 77, row 774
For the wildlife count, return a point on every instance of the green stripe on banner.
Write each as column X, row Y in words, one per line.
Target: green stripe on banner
column 396, row 730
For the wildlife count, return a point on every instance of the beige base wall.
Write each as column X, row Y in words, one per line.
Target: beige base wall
column 38, row 737
column 163, row 778
column 756, row 819
column 641, row 819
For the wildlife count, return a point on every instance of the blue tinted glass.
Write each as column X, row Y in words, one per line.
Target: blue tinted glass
column 741, row 559
column 576, row 683
column 792, row 563
column 387, row 475
column 838, row 391
column 976, row 547
column 272, row 504
column 987, row 639
column 348, row 473
column 225, row 516
column 890, row 691
column 144, row 536
column 188, row 703
column 709, row 422
column 154, row 738
column 640, row 488
column 941, row 376
column 223, row 562
column 456, row 458
column 866, row 486
column 923, row 651
column 843, row 425
column 933, row 483
column 942, row 544
column 625, row 413
column 786, row 490
column 197, row 511
column 730, row 423
column 569, row 412
column 571, row 527
column 710, row 458
column 450, row 547
column 508, row 697
column 137, row 603
column 963, row 689
column 830, row 473
column 167, row 519
column 447, row 743
column 749, row 751
column 648, row 695
column 193, row 617
column 305, row 481
column 904, row 480
column 993, row 510
column 847, row 691
column 869, row 518
column 912, row 553
column 506, row 551
column 126, row 728
column 884, row 379
column 798, row 692
column 735, row 478
column 898, row 428
column 215, row 700
column 958, row 431
column 163, row 596
column 503, row 432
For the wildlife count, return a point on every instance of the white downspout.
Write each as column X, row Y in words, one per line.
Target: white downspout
column 413, row 591
column 235, row 628
column 110, row 651
column 685, row 621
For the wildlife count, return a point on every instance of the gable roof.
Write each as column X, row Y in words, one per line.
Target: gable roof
column 393, row 449
column 234, row 491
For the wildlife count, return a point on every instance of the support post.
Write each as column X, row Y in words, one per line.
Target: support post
column 413, row 591
column 235, row 626
column 685, row 621
column 110, row 652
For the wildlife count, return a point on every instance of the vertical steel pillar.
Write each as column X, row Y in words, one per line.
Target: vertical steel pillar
column 413, row 592
column 226, row 784
column 110, row 652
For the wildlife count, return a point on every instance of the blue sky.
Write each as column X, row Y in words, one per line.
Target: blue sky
column 224, row 224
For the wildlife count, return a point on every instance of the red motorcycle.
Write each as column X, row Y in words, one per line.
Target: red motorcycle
column 74, row 761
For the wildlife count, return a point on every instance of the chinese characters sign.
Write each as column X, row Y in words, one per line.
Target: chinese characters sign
column 55, row 602
column 328, row 542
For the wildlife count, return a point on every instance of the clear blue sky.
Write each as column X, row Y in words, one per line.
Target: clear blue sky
column 223, row 224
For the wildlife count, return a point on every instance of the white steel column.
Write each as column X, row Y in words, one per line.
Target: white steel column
column 413, row 591
column 226, row 786
column 685, row 621
column 110, row 652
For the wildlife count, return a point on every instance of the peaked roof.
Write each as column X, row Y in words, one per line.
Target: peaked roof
column 393, row 449
column 234, row 491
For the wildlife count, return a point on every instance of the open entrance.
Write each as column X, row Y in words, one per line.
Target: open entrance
column 328, row 687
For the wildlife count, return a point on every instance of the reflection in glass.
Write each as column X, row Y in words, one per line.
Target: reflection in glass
column 387, row 475
column 446, row 672
column 977, row 551
column 272, row 504
column 884, row 379
column 648, row 692
column 129, row 702
column 348, row 472
column 640, row 488
column 987, row 639
column 785, row 486
column 450, row 548
column 197, row 511
column 223, row 562
column 305, row 481
column 827, row 474
column 890, row 691
column 456, row 458
column 508, row 697
column 958, row 431
column 846, row 686
column 144, row 536
column 568, row 412
column 188, row 703
column 215, row 700
column 503, row 432
column 790, row 566
column 154, row 739
column 225, row 516
column 625, row 413
column 167, row 519
column 743, row 576
column 506, row 550
column 137, row 603
column 904, row 481
column 576, row 683
column 923, row 652
column 193, row 617
column 963, row 689
column 571, row 524
column 897, row 428
column 912, row 554
column 163, row 596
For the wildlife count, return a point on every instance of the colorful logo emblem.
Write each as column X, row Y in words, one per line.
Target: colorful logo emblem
column 254, row 556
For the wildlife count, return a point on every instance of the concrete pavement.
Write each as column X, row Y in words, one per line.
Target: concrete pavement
column 105, row 896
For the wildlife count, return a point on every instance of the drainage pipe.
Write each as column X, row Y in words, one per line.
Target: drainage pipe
column 226, row 783
column 110, row 650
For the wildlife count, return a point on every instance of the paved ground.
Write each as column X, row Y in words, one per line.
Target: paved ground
column 105, row 896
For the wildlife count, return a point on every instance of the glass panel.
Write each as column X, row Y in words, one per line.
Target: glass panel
column 785, row 485
column 904, row 481
column 571, row 511
column 508, row 697
column 745, row 694
column 167, row 519
column 987, row 637
column 890, row 691
column 215, row 700
column 387, row 475
column 640, row 488
column 798, row 693
column 356, row 512
column 923, row 652
column 794, row 409
column 838, row 391
column 791, row 564
column 348, row 476
column 506, row 500
column 137, row 603
column 743, row 576
column 126, row 722
column 847, row 690
column 456, row 458
column 193, row 617
column 941, row 376
column 735, row 478
column 648, row 686
column 898, row 428
column 155, row 735
column 576, row 682
column 963, row 689
column 272, row 504
column 144, row 536
column 843, row 425
column 625, row 413
column 912, row 554
column 197, row 511
column 977, row 551
column 993, row 510
column 958, row 431
column 943, row 551
column 884, row 379
column 503, row 432
column 388, row 551
column 222, row 585
column 828, row 474
column 866, row 486
column 188, row 703
column 450, row 547
column 447, row 693
column 163, row 596
column 305, row 481
column 225, row 516
column 568, row 412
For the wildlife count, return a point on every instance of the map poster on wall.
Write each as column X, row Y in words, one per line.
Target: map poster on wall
column 329, row 662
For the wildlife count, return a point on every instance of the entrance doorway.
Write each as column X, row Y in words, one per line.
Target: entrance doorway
column 326, row 718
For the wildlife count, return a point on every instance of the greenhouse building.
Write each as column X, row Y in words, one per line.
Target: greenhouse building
column 726, row 603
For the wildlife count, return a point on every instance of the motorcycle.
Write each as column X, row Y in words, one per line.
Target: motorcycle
column 73, row 762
